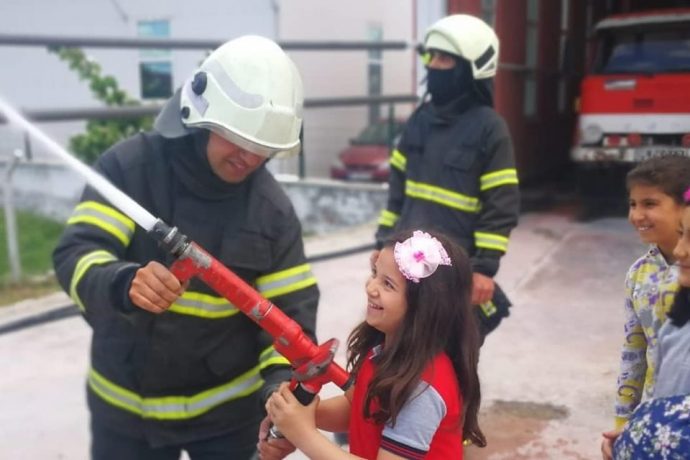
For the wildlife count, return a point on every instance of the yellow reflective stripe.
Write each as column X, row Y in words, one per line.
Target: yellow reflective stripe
column 203, row 305
column 174, row 407
column 425, row 58
column 285, row 281
column 104, row 217
column 87, row 261
column 388, row 218
column 270, row 357
column 490, row 241
column 489, row 308
column 498, row 178
column 442, row 196
column 398, row 160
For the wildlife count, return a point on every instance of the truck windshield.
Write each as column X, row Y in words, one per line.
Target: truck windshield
column 627, row 51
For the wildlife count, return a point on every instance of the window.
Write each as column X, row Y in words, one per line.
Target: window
column 531, row 49
column 645, row 51
column 155, row 66
column 374, row 73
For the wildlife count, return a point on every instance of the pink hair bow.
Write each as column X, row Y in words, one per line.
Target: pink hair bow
column 419, row 256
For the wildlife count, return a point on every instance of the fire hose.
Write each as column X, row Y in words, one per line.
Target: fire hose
column 313, row 365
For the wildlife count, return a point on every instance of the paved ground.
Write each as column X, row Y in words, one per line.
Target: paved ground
column 548, row 373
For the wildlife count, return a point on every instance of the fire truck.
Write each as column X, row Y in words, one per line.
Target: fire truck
column 635, row 100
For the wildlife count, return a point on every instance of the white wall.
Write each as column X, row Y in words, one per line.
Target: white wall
column 35, row 79
column 344, row 73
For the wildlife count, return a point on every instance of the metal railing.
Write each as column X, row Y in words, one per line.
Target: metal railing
column 135, row 111
column 188, row 43
column 47, row 115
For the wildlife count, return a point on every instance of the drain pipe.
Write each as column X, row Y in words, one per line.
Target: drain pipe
column 10, row 218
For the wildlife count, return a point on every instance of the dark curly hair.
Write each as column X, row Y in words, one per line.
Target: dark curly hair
column 670, row 173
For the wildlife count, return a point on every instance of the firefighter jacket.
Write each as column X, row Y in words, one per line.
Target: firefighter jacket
column 454, row 171
column 202, row 368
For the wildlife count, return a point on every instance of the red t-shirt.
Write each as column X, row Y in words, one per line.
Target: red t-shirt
column 427, row 427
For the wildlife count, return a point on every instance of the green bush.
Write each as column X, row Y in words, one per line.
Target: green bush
column 37, row 237
column 100, row 134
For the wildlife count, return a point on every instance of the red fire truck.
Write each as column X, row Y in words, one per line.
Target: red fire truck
column 635, row 100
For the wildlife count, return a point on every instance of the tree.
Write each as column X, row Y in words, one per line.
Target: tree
column 100, row 134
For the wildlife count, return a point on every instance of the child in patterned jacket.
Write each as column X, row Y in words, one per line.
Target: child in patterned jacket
column 660, row 428
column 655, row 189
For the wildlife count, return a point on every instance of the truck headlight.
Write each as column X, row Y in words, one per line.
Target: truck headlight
column 591, row 134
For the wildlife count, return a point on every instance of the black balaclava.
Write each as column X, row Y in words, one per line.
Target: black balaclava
column 448, row 85
column 191, row 166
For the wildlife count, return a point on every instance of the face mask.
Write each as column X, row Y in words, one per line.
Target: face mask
column 440, row 84
column 446, row 85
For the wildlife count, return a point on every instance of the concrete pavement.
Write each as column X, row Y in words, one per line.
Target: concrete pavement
column 548, row 373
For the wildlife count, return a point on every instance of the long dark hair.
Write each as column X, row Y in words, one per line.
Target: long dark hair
column 439, row 318
column 680, row 310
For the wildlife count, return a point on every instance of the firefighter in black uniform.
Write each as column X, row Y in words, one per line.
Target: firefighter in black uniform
column 177, row 367
column 453, row 169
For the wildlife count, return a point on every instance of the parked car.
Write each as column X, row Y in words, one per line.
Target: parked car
column 366, row 159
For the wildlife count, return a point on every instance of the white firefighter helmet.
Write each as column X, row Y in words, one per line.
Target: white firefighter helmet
column 468, row 37
column 248, row 91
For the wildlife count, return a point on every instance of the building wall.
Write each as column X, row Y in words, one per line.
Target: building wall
column 344, row 73
column 37, row 79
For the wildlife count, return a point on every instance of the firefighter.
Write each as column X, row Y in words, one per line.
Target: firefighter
column 176, row 367
column 453, row 169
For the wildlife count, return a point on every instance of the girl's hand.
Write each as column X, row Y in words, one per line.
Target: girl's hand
column 295, row 421
column 482, row 288
column 269, row 448
column 607, row 443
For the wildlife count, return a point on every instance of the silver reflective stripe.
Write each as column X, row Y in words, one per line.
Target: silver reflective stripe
column 398, row 160
column 174, row 407
column 88, row 260
column 388, row 218
column 203, row 305
column 286, row 281
column 498, row 178
column 230, row 88
column 442, row 196
column 270, row 357
column 88, row 212
column 491, row 241
column 105, row 218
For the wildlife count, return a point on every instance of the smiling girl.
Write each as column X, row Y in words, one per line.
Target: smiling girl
column 655, row 190
column 660, row 428
column 416, row 393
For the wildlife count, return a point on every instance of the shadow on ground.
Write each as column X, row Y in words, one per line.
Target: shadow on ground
column 514, row 431
column 567, row 194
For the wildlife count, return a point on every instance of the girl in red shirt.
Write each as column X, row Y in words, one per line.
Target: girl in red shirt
column 416, row 393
